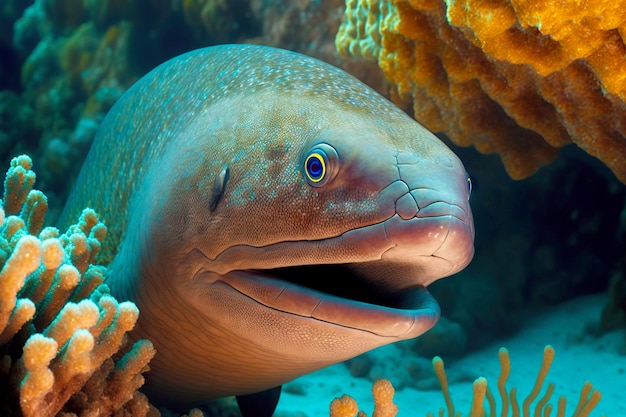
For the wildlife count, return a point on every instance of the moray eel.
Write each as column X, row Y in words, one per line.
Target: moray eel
column 270, row 215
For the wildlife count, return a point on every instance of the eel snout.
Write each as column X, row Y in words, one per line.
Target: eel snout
column 432, row 227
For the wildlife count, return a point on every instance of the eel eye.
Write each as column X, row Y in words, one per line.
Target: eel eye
column 315, row 167
column 320, row 164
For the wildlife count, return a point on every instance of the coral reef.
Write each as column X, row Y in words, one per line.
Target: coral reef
column 518, row 78
column 76, row 63
column 62, row 336
column 382, row 390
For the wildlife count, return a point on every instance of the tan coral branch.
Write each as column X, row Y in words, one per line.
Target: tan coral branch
column 60, row 330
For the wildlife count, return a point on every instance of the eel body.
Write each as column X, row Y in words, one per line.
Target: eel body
column 270, row 215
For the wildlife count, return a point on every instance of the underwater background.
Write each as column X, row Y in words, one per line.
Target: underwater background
column 550, row 263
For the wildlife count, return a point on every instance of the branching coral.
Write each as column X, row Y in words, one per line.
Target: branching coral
column 520, row 78
column 63, row 347
column 346, row 406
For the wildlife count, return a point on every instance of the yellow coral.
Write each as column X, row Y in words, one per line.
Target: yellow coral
column 517, row 77
column 383, row 391
column 383, row 395
column 39, row 379
column 59, row 328
column 344, row 406
column 548, row 36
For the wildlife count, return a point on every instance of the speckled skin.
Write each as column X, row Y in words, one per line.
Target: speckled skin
column 395, row 216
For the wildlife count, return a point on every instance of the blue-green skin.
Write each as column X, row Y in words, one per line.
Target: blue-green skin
column 393, row 208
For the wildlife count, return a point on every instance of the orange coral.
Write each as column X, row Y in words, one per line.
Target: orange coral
column 586, row 403
column 344, row 406
column 383, row 391
column 517, row 77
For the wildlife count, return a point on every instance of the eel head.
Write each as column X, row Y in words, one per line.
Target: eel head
column 299, row 253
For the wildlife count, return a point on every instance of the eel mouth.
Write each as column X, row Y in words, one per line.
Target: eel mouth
column 380, row 289
column 346, row 284
column 335, row 295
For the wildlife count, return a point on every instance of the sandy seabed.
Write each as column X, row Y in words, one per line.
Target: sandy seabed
column 579, row 357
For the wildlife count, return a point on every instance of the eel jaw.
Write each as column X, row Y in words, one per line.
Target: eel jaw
column 412, row 313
